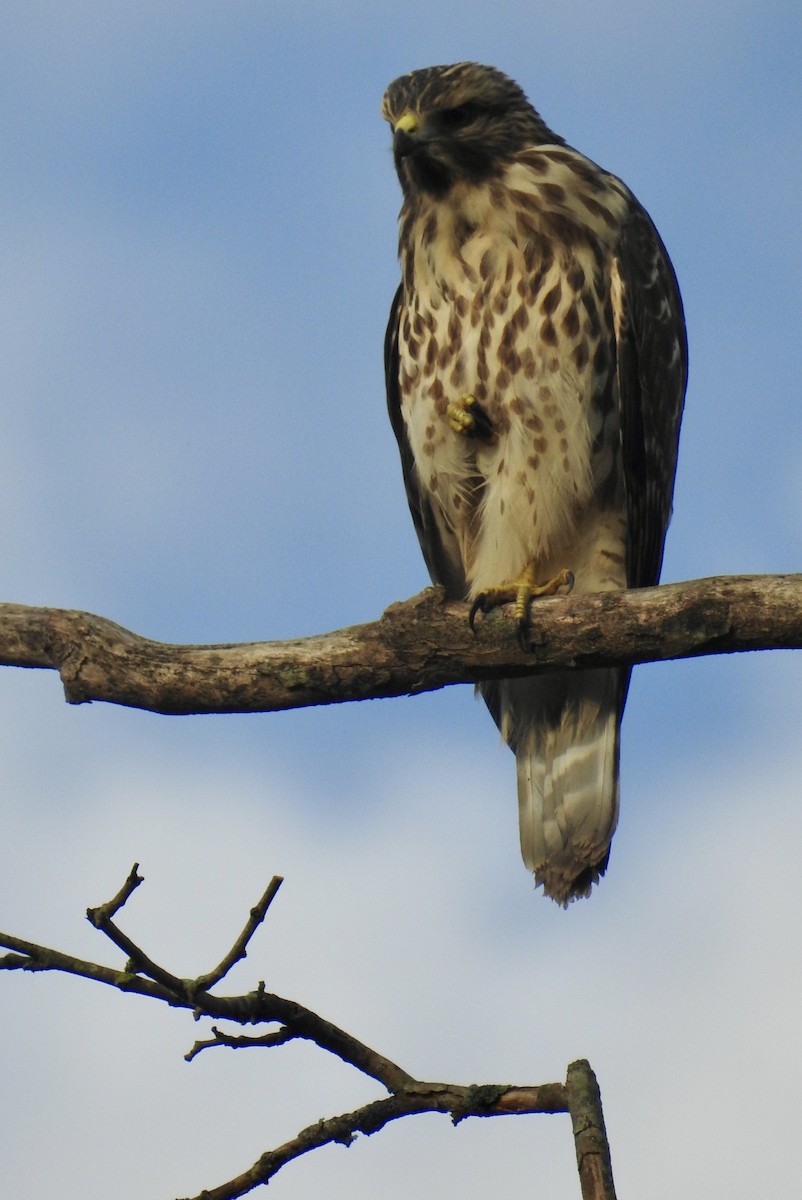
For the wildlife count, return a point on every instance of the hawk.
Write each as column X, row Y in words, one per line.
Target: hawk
column 536, row 362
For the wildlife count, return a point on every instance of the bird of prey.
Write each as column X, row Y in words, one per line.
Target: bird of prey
column 536, row 362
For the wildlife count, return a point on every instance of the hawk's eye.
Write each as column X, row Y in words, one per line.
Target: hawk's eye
column 463, row 114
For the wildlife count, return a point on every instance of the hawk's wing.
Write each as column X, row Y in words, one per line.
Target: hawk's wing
column 652, row 371
column 443, row 567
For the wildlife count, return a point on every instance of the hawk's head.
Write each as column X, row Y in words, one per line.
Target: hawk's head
column 463, row 122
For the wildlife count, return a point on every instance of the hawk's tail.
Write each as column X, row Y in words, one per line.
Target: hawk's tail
column 564, row 729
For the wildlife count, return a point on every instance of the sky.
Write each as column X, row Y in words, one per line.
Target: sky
column 197, row 236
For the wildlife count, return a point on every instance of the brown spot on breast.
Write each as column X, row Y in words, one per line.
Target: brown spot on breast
column 434, row 482
column 553, row 192
column 512, row 361
column 534, row 461
column 570, row 321
column 487, row 263
column 436, row 390
column 503, row 379
column 528, row 362
column 590, row 174
column 599, row 210
column 517, row 405
column 575, row 277
column 556, row 156
column 456, row 500
column 548, row 333
column 430, row 431
column 533, row 421
column 552, row 298
column 520, row 318
column 461, row 305
column 457, row 375
column 538, row 162
column 431, row 354
column 559, row 425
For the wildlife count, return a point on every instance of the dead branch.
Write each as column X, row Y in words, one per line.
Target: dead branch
column 579, row 1096
column 590, row 1136
column 418, row 645
column 459, row 1102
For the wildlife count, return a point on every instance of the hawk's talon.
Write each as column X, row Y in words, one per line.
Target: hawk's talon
column 522, row 592
column 467, row 417
column 523, row 635
column 477, row 606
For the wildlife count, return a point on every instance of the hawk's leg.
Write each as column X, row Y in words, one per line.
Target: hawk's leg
column 521, row 592
column 466, row 416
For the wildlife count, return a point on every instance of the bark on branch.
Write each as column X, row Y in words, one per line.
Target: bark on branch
column 417, row 645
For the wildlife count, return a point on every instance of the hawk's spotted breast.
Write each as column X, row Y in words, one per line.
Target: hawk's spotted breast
column 536, row 365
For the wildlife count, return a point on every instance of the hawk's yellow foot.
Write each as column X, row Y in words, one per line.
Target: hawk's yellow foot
column 521, row 592
column 466, row 416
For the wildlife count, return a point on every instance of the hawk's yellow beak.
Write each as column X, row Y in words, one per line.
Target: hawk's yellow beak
column 406, row 123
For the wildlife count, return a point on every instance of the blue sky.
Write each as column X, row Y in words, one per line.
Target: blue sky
column 197, row 232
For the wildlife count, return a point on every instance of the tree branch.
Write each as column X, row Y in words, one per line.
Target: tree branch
column 407, row 1095
column 418, row 645
column 460, row 1102
column 590, row 1136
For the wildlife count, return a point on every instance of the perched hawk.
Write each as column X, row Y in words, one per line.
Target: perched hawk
column 536, row 365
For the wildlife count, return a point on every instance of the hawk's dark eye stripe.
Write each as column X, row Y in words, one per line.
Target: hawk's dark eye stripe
column 462, row 114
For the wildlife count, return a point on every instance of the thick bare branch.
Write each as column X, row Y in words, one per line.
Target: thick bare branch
column 418, row 645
